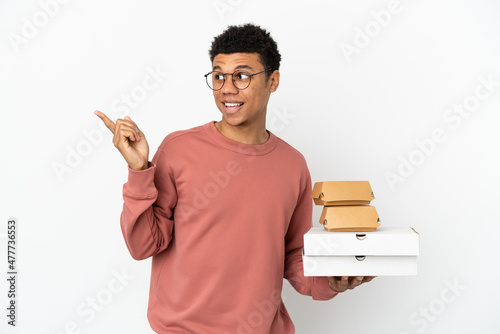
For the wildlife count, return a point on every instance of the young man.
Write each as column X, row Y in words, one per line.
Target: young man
column 222, row 208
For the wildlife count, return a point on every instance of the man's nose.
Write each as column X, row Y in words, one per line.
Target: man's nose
column 229, row 87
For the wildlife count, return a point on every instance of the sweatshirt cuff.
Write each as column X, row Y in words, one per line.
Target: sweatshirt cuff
column 323, row 290
column 140, row 183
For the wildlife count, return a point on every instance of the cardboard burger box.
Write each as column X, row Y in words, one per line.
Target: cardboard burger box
column 350, row 218
column 389, row 251
column 342, row 193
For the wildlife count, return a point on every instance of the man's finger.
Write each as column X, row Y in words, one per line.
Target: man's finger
column 343, row 283
column 109, row 123
column 137, row 130
column 356, row 281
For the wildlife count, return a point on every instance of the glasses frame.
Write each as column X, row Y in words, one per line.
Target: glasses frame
column 232, row 78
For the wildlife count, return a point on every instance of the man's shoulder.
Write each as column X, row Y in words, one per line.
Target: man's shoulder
column 289, row 155
column 289, row 149
column 183, row 137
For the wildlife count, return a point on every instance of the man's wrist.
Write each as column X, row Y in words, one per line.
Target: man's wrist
column 141, row 167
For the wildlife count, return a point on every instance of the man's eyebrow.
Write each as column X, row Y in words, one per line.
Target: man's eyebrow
column 239, row 67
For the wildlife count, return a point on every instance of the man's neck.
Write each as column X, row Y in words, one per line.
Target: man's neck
column 253, row 135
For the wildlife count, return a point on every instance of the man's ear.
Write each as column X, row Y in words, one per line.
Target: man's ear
column 274, row 81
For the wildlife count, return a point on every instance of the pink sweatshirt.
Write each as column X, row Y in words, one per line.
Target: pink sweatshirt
column 224, row 223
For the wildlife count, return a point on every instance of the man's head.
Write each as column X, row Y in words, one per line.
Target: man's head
column 248, row 38
column 245, row 71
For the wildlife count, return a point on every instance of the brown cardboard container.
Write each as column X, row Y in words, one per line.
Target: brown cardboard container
column 342, row 193
column 350, row 218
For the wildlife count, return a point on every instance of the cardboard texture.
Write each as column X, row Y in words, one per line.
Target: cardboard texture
column 389, row 251
column 352, row 218
column 342, row 193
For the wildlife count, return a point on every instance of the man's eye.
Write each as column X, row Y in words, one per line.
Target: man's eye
column 218, row 77
column 241, row 76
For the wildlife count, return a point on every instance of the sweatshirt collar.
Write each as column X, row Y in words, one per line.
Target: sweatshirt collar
column 238, row 147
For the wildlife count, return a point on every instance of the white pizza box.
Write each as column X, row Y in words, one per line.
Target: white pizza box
column 386, row 240
column 388, row 251
column 360, row 265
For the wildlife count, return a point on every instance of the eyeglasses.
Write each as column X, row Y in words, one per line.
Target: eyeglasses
column 241, row 79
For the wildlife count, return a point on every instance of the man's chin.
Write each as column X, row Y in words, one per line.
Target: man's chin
column 234, row 121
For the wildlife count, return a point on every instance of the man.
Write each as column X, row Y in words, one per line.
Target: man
column 222, row 208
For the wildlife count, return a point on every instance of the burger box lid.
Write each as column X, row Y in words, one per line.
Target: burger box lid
column 350, row 218
column 386, row 241
column 342, row 193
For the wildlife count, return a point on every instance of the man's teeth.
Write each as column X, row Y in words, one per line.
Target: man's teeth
column 233, row 104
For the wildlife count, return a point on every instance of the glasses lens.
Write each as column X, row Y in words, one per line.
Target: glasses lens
column 241, row 79
column 215, row 80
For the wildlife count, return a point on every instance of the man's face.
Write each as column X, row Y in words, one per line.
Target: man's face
column 248, row 106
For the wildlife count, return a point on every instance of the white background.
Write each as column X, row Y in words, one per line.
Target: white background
column 354, row 117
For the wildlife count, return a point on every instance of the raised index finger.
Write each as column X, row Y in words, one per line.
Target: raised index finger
column 109, row 123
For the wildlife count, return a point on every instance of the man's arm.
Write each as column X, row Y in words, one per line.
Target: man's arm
column 320, row 288
column 149, row 198
column 149, row 194
column 316, row 287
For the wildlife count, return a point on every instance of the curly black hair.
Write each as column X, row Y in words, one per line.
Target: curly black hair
column 247, row 38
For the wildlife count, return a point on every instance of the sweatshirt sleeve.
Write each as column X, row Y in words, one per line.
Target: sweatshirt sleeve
column 317, row 287
column 147, row 217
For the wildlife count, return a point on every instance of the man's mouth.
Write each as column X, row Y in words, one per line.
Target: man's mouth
column 232, row 104
column 232, row 107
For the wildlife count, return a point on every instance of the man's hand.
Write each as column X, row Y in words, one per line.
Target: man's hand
column 129, row 140
column 340, row 284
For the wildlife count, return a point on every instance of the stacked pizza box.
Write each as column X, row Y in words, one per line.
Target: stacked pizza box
column 346, row 206
column 351, row 243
